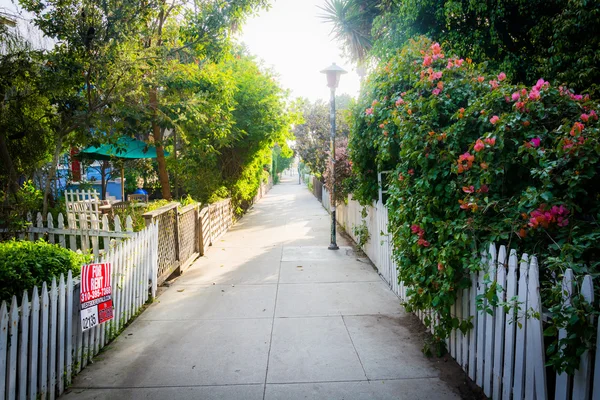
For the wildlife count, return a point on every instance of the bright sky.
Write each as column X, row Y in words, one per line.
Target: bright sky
column 295, row 42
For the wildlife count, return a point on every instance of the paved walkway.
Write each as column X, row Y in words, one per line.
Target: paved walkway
column 270, row 313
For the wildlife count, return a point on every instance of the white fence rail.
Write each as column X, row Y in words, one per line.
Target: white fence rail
column 78, row 231
column 505, row 360
column 41, row 342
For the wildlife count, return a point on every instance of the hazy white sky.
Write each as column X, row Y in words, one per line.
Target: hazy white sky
column 291, row 38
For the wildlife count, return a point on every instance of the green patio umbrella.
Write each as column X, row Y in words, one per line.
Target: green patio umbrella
column 126, row 148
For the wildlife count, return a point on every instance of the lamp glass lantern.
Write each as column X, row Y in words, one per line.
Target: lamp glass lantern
column 333, row 73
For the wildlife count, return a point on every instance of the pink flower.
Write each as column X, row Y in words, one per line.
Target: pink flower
column 450, row 65
column 459, row 63
column 520, row 105
column 494, row 120
column 585, row 117
column 480, row 79
column 427, row 61
column 540, row 84
column 479, row 145
column 436, row 48
column 415, row 228
column 468, row 189
column 369, row 111
column 594, row 115
column 534, row 94
column 516, row 96
column 399, row 101
column 501, row 76
column 535, row 142
column 435, row 75
column 436, row 91
column 493, row 84
column 490, row 141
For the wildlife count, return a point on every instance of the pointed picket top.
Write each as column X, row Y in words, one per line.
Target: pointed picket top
column 61, row 282
column 492, row 252
column 25, row 305
column 3, row 317
column 129, row 224
column 44, row 290
column 14, row 310
column 105, row 225
column 117, row 223
column 61, row 221
column 502, row 256
column 50, row 220
column 53, row 287
column 513, row 260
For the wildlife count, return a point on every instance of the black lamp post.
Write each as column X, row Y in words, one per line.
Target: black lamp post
column 333, row 73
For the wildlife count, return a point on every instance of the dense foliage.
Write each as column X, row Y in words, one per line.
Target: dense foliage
column 557, row 39
column 161, row 71
column 476, row 159
column 25, row 264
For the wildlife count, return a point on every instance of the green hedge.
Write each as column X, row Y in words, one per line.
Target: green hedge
column 25, row 264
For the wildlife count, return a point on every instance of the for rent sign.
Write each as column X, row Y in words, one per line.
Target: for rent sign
column 96, row 295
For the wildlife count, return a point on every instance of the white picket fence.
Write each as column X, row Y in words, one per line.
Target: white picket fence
column 41, row 342
column 78, row 231
column 506, row 361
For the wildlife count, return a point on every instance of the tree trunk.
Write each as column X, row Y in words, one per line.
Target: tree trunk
column 51, row 175
column 163, row 175
column 13, row 183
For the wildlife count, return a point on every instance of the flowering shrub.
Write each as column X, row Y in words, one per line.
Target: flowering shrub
column 477, row 159
column 343, row 171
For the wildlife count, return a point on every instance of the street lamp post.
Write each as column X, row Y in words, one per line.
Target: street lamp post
column 333, row 73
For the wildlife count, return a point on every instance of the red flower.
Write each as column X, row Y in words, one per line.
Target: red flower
column 479, row 145
column 577, row 128
column 490, row 141
column 468, row 189
column 494, row 120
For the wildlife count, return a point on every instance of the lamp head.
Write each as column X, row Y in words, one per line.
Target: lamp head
column 333, row 73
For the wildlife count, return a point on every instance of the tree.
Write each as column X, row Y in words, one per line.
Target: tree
column 352, row 22
column 313, row 136
column 93, row 63
column 25, row 112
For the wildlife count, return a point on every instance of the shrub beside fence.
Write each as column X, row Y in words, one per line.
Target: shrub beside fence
column 41, row 342
column 506, row 360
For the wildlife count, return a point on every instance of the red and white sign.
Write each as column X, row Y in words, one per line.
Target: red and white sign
column 95, row 295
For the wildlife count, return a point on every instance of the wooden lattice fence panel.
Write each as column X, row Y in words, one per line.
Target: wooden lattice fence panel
column 168, row 243
column 189, row 231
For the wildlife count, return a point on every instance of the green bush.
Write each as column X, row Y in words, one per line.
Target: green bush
column 25, row 264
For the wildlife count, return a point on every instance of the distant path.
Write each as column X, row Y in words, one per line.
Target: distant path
column 270, row 313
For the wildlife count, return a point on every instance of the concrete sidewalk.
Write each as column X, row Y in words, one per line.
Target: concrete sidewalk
column 270, row 313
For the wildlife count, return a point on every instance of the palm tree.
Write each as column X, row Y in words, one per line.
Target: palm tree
column 352, row 21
